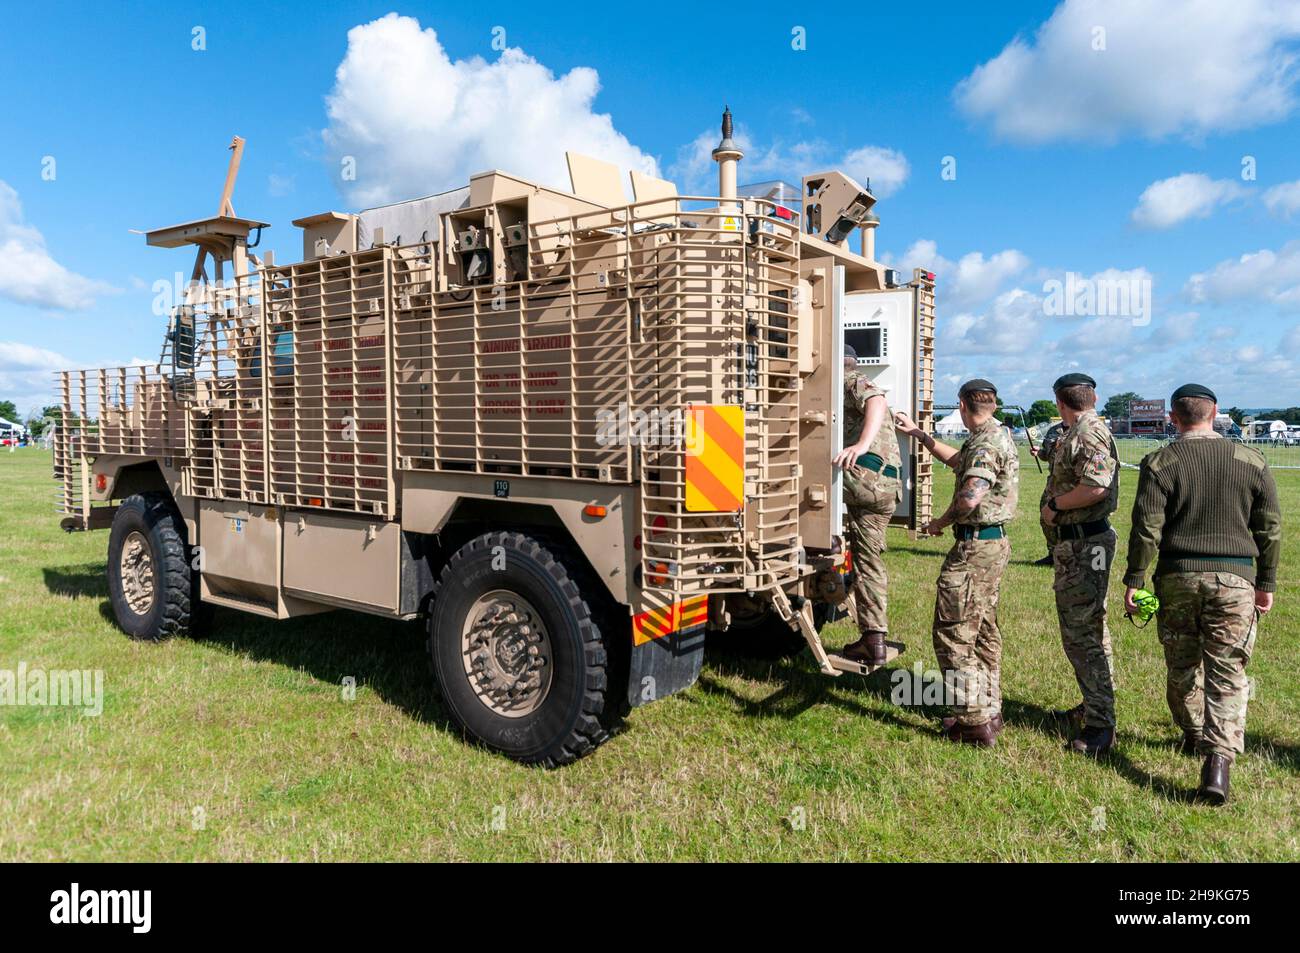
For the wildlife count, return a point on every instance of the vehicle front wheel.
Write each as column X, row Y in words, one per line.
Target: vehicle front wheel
column 519, row 653
column 149, row 581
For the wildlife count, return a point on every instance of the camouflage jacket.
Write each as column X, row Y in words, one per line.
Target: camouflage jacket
column 991, row 454
column 1045, row 451
column 1050, row 440
column 1085, row 456
column 858, row 481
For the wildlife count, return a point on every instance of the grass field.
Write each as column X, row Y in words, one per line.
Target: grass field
column 246, row 736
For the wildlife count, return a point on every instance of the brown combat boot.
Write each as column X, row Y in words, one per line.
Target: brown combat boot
column 1070, row 720
column 869, row 650
column 981, row 736
column 1094, row 742
column 1191, row 743
column 995, row 721
column 1214, row 780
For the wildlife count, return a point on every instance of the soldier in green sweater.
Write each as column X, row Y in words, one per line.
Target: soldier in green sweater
column 1207, row 507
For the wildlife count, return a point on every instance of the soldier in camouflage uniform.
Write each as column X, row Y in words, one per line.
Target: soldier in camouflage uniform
column 1082, row 491
column 872, row 465
column 1044, row 454
column 967, row 641
column 1207, row 508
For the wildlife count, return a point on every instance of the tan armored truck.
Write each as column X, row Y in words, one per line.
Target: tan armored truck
column 571, row 432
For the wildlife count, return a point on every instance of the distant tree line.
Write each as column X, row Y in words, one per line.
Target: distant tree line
column 35, row 422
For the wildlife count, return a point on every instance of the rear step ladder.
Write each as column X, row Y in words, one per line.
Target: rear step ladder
column 832, row 665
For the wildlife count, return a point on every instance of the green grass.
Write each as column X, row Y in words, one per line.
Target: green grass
column 249, row 726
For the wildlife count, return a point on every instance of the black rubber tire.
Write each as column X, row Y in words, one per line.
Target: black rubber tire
column 581, row 709
column 171, row 614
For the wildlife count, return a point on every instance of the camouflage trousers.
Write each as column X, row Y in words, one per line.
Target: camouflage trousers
column 865, row 528
column 1207, row 624
column 967, row 641
column 1082, row 581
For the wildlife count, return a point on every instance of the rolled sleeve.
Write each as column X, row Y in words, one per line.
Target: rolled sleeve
column 983, row 463
column 1096, row 468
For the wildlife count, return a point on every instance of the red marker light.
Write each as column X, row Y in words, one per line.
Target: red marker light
column 782, row 212
column 101, row 483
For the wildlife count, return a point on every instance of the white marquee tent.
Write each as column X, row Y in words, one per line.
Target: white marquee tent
column 950, row 426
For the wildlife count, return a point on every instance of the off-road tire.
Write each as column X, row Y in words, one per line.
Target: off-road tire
column 581, row 708
column 172, row 608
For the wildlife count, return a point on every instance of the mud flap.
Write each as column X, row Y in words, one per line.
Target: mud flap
column 665, row 665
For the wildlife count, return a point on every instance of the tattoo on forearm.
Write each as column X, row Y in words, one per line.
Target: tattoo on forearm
column 972, row 492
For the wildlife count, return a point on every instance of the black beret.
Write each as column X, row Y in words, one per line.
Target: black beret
column 976, row 385
column 850, row 353
column 1074, row 380
column 1194, row 390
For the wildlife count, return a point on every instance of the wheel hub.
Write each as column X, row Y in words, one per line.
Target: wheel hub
column 507, row 653
column 137, row 573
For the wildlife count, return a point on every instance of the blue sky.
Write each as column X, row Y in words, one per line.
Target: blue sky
column 1117, row 154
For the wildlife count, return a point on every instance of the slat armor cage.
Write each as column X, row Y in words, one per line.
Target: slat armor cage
column 317, row 384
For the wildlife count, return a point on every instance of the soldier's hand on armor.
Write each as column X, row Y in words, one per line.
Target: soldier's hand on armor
column 1049, row 515
column 1130, row 606
column 905, row 424
column 1263, row 601
column 933, row 528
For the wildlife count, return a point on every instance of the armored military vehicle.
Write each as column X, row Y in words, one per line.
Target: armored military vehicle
column 571, row 432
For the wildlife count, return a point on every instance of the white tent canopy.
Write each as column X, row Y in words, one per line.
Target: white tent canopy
column 950, row 426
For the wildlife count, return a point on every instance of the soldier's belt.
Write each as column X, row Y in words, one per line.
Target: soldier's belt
column 1083, row 530
column 872, row 461
column 966, row 533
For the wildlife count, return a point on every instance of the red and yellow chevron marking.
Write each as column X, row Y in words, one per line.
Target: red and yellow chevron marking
column 715, row 458
column 678, row 617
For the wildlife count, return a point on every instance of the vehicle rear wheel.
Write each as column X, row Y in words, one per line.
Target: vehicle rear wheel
column 149, row 582
column 518, row 649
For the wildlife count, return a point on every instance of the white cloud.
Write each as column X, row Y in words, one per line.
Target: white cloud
column 695, row 172
column 27, row 375
column 1264, row 275
column 1096, row 338
column 1177, row 328
column 418, row 122
column 967, row 283
column 1283, row 200
column 1011, row 325
column 28, row 273
column 1187, row 69
column 1172, row 201
column 885, row 169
